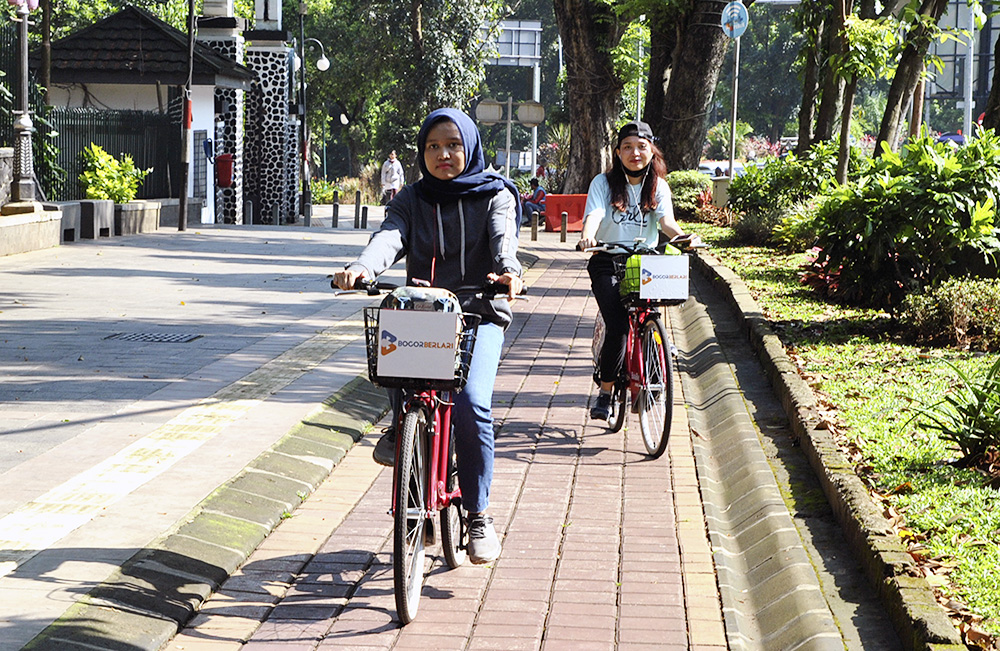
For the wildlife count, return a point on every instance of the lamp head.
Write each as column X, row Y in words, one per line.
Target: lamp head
column 323, row 64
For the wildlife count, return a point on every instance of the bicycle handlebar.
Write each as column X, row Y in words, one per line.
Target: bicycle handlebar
column 488, row 290
column 684, row 242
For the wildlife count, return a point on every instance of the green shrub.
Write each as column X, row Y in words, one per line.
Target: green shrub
column 685, row 186
column 910, row 221
column 969, row 414
column 105, row 177
column 796, row 230
column 717, row 139
column 958, row 312
column 782, row 182
column 755, row 228
column 322, row 191
column 348, row 187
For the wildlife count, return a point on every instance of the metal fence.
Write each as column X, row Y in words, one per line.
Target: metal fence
column 152, row 139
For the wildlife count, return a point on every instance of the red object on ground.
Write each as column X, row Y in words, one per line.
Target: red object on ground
column 572, row 204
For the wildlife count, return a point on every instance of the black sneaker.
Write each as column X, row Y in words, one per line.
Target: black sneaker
column 385, row 449
column 484, row 546
column 602, row 407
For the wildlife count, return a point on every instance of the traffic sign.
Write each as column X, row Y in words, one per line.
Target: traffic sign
column 735, row 19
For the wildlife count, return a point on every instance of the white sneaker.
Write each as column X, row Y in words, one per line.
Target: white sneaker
column 484, row 546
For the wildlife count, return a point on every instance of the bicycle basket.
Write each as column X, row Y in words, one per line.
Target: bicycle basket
column 401, row 353
column 653, row 279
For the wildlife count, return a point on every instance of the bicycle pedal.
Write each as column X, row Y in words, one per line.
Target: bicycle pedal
column 430, row 534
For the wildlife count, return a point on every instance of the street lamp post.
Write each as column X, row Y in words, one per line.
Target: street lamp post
column 322, row 64
column 22, row 188
column 529, row 114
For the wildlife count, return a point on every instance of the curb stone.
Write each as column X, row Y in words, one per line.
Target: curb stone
column 771, row 594
column 144, row 603
column 920, row 622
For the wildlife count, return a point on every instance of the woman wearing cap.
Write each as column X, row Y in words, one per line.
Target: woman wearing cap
column 628, row 203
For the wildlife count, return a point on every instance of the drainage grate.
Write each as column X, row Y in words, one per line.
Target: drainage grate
column 154, row 337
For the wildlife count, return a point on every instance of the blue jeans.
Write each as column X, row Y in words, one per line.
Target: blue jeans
column 472, row 419
column 528, row 208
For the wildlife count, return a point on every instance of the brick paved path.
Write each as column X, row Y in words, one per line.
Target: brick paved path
column 603, row 548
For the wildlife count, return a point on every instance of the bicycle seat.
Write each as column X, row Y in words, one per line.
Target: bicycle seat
column 429, row 299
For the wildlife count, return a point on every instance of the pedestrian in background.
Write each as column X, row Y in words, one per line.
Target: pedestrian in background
column 458, row 228
column 534, row 201
column 392, row 178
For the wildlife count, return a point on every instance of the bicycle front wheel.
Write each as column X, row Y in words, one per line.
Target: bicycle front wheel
column 454, row 533
column 656, row 397
column 410, row 516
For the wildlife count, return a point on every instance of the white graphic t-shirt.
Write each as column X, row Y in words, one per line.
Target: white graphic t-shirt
column 616, row 226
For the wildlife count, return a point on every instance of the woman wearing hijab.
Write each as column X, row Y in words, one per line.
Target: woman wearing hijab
column 629, row 203
column 457, row 227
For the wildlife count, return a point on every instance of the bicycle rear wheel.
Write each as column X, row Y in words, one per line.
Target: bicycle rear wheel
column 454, row 533
column 619, row 406
column 410, row 516
column 656, row 398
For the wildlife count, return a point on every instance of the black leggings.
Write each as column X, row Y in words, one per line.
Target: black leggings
column 605, row 287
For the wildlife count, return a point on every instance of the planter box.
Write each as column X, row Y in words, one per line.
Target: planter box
column 572, row 204
column 70, row 218
column 170, row 210
column 97, row 218
column 137, row 217
column 29, row 231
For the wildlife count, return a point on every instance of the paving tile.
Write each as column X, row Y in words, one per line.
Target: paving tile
column 599, row 541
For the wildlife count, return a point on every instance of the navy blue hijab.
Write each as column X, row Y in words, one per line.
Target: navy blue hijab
column 474, row 181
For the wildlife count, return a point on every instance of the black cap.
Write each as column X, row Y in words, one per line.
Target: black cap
column 635, row 128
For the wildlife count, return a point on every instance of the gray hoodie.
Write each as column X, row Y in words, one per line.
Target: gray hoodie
column 451, row 245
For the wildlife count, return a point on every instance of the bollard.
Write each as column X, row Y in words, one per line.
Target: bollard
column 534, row 225
column 364, row 217
column 562, row 226
column 357, row 209
column 336, row 209
column 248, row 212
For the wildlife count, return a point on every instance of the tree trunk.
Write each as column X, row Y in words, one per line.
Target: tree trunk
column 701, row 48
column 917, row 110
column 810, row 93
column 991, row 119
column 911, row 63
column 832, row 93
column 849, row 91
column 844, row 155
column 662, row 41
column 589, row 29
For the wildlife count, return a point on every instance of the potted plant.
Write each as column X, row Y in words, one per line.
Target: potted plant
column 106, row 178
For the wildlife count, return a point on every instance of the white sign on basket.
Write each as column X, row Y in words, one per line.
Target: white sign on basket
column 417, row 344
column 664, row 277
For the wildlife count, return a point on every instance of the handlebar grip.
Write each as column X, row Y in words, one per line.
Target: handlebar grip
column 492, row 289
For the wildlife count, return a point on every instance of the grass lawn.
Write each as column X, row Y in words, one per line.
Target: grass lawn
column 872, row 380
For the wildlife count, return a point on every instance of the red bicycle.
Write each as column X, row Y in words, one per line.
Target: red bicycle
column 645, row 381
column 420, row 342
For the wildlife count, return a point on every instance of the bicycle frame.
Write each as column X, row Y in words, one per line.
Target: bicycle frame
column 634, row 367
column 437, row 405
